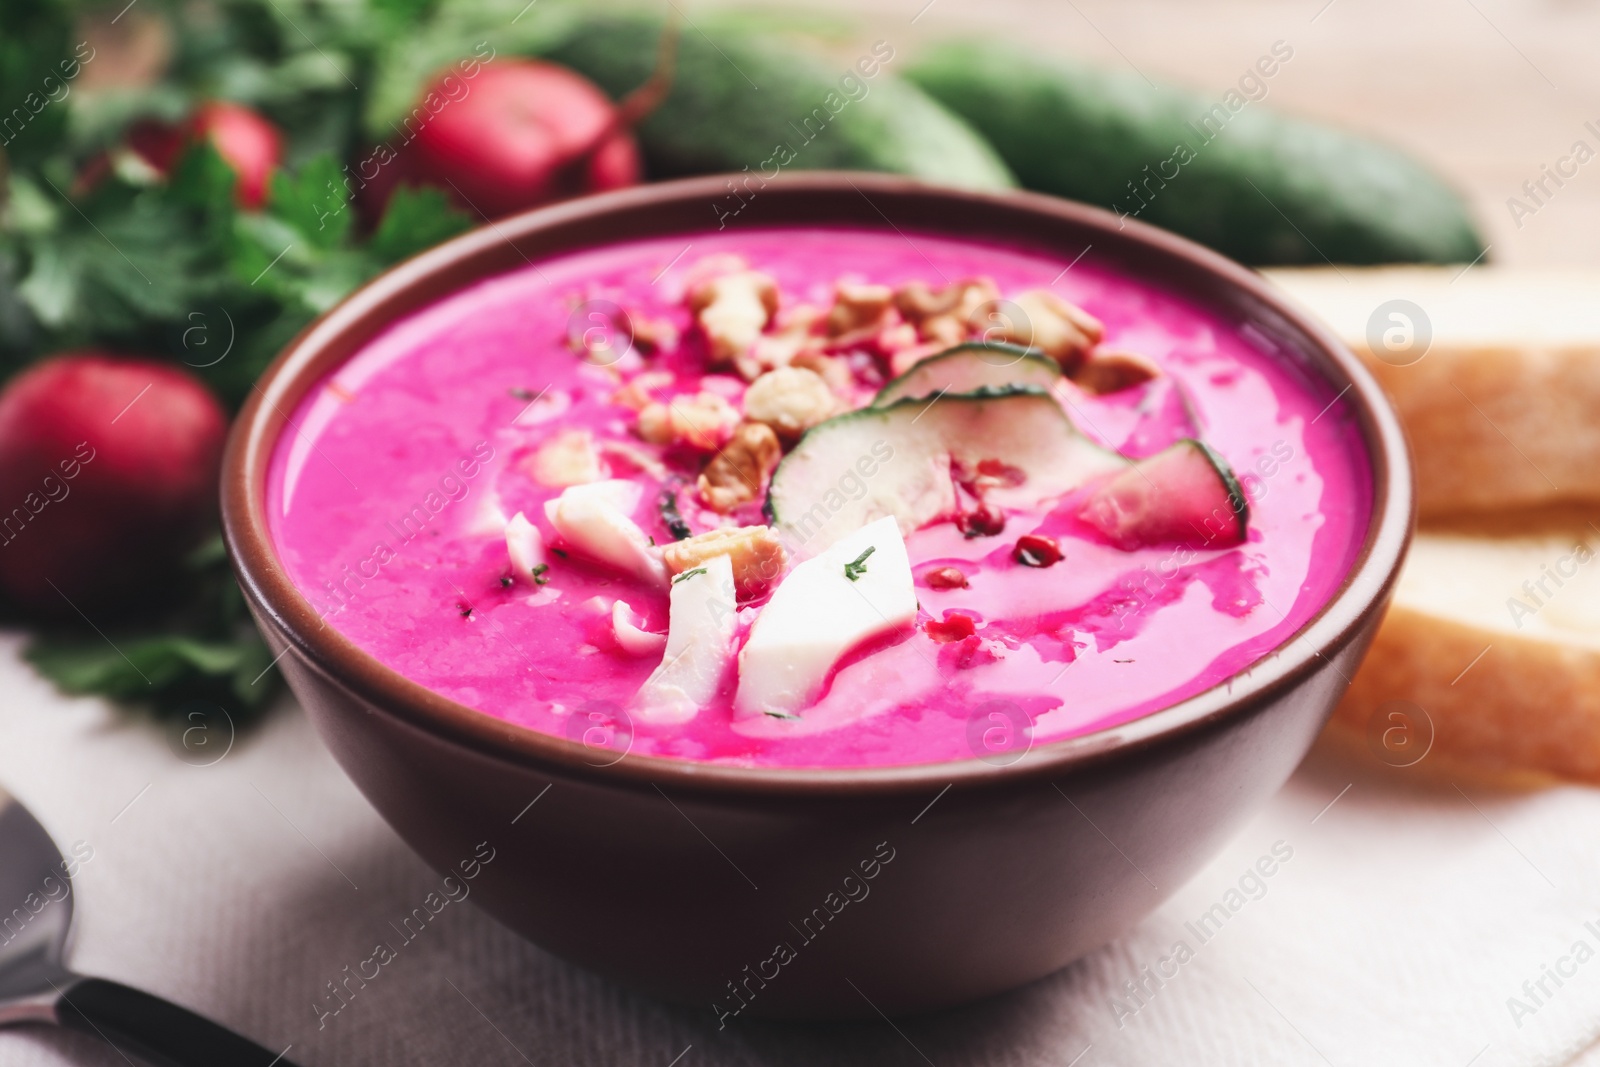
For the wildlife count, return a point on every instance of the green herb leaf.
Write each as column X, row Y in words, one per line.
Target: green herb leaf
column 539, row 572
column 416, row 220
column 314, row 201
column 203, row 647
column 858, row 566
column 687, row 574
column 164, row 670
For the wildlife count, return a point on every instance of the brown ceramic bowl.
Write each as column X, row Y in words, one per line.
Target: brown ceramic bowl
column 723, row 886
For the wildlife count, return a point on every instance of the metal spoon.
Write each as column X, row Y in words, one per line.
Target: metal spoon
column 36, row 987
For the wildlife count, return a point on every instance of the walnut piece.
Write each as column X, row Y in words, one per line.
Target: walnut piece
column 945, row 316
column 651, row 336
column 789, row 339
column 732, row 310
column 735, row 475
column 702, row 422
column 1059, row 329
column 636, row 393
column 858, row 310
column 790, row 399
column 568, row 458
column 832, row 369
column 757, row 555
column 1111, row 372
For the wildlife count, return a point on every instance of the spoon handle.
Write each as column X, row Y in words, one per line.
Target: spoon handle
column 158, row 1030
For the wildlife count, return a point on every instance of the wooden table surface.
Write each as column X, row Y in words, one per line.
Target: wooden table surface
column 1486, row 91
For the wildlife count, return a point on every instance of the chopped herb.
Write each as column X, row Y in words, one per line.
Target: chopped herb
column 780, row 714
column 520, row 393
column 687, row 574
column 539, row 575
column 505, row 581
column 858, row 566
column 560, row 552
column 671, row 516
column 652, row 540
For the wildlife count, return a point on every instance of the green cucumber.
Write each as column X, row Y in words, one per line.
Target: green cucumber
column 902, row 460
column 745, row 101
column 1185, row 494
column 1251, row 183
column 972, row 366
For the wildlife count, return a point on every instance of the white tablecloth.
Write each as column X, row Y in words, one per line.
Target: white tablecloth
column 1395, row 933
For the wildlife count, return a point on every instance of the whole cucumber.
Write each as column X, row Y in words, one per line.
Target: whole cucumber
column 1253, row 184
column 742, row 101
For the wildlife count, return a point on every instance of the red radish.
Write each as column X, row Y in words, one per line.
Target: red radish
column 108, row 473
column 157, row 143
column 525, row 133
column 522, row 134
column 1185, row 494
column 246, row 141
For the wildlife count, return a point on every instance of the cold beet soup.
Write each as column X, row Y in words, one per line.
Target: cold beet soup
column 818, row 497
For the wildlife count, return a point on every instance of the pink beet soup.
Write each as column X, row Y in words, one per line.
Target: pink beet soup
column 389, row 499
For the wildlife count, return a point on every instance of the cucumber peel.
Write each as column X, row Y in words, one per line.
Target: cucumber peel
column 760, row 102
column 971, row 366
column 1186, row 494
column 903, row 459
column 1257, row 185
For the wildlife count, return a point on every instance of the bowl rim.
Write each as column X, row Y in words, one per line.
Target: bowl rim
column 470, row 257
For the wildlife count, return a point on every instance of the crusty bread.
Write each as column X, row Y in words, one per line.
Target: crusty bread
column 1488, row 662
column 1503, row 407
column 1495, row 635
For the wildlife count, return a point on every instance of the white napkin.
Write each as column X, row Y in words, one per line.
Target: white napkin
column 1396, row 931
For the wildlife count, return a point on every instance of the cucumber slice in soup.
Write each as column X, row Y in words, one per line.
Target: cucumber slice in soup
column 1185, row 494
column 967, row 367
column 899, row 460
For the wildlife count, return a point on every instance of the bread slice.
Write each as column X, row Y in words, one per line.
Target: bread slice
column 1494, row 634
column 1502, row 401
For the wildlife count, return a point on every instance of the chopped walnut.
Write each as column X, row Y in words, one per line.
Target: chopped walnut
column 732, row 310
column 568, row 458
column 735, row 475
column 789, row 339
column 944, row 316
column 701, row 422
column 1111, row 372
column 636, row 393
column 756, row 552
column 790, row 399
column 832, row 369
column 651, row 336
column 1059, row 329
column 858, row 311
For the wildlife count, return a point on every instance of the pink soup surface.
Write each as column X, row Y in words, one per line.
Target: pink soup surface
column 388, row 499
